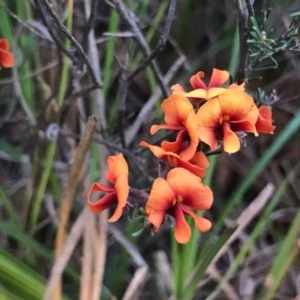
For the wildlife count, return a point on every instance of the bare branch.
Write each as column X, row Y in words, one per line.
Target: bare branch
column 129, row 17
column 161, row 43
column 68, row 34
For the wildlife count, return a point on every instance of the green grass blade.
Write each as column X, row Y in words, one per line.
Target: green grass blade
column 19, row 279
column 206, row 260
column 9, row 207
column 289, row 250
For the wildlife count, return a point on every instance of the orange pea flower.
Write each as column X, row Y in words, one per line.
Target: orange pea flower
column 180, row 116
column 196, row 165
column 6, row 58
column 264, row 121
column 203, row 91
column 117, row 174
column 175, row 195
column 226, row 117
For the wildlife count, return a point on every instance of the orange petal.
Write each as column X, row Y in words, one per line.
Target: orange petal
column 237, row 106
column 177, row 89
column 264, row 121
column 6, row 59
column 208, row 136
column 192, row 130
column 246, row 126
column 117, row 167
column 4, row 44
column 182, row 229
column 175, row 146
column 231, row 142
column 155, row 128
column 237, row 86
column 209, row 118
column 202, row 224
column 210, row 115
column 174, row 160
column 103, row 203
column 190, row 189
column 161, row 198
column 218, row 78
column 196, row 81
column 176, row 108
column 214, row 92
column 122, row 190
column 198, row 93
column 200, row 160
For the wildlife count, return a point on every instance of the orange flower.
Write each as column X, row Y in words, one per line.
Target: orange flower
column 203, row 91
column 117, row 174
column 175, row 195
column 225, row 118
column 6, row 58
column 180, row 116
column 196, row 165
column 264, row 121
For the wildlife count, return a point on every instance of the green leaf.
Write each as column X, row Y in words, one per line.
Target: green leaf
column 19, row 279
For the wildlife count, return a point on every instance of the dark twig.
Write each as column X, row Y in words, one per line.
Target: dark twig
column 129, row 17
column 249, row 4
column 110, row 145
column 244, row 31
column 123, row 90
column 161, row 43
column 68, row 34
column 51, row 31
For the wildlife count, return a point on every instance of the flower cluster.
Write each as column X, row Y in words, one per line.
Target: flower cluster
column 209, row 116
column 6, row 57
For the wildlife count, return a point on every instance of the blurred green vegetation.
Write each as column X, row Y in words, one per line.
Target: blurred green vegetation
column 42, row 90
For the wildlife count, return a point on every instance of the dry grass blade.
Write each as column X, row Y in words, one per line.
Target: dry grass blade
column 73, row 179
column 87, row 259
column 243, row 220
column 247, row 216
column 99, row 241
column 66, row 252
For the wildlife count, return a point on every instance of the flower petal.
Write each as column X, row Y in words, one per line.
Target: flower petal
column 198, row 93
column 155, row 128
column 176, row 108
column 190, row 189
column 264, row 121
column 237, row 86
column 208, row 136
column 182, row 229
column 4, row 44
column 200, row 160
column 98, row 187
column 196, row 81
column 177, row 89
column 122, row 190
column 161, row 198
column 231, row 142
column 209, row 118
column 102, row 203
column 192, row 130
column 117, row 167
column 175, row 146
column 218, row 78
column 214, row 92
column 6, row 59
column 237, row 105
column 202, row 224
